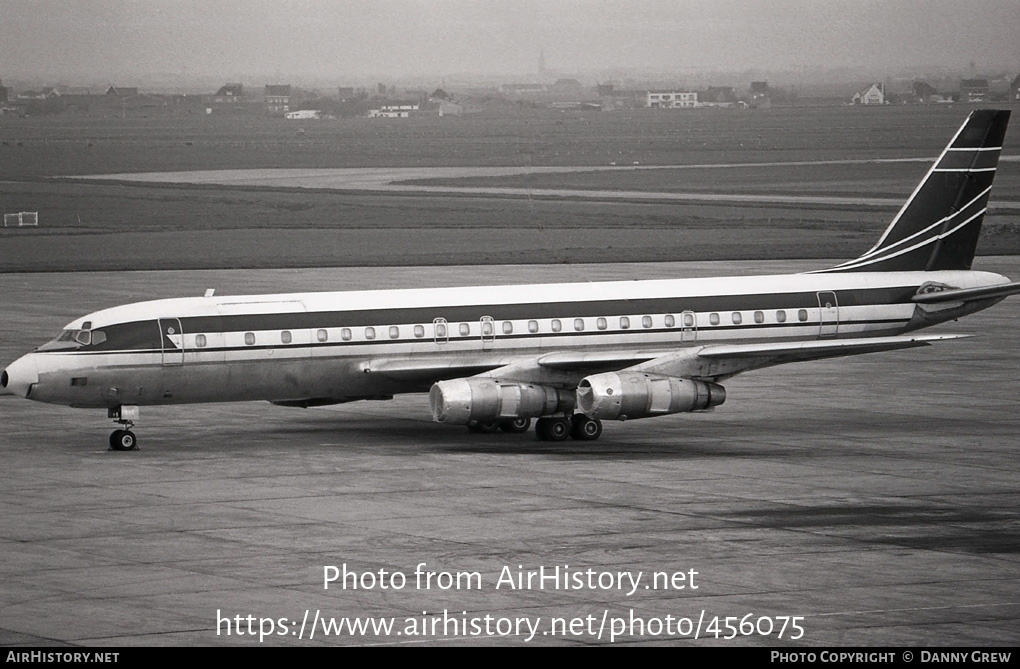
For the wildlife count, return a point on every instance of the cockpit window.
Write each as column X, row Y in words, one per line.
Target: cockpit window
column 69, row 339
column 136, row 335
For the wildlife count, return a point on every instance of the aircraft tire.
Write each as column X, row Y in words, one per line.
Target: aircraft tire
column 585, row 429
column 552, row 429
column 485, row 427
column 123, row 440
column 516, row 426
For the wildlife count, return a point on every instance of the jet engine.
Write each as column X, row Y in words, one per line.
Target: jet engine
column 463, row 401
column 623, row 395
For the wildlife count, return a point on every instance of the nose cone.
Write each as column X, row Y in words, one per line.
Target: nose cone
column 19, row 376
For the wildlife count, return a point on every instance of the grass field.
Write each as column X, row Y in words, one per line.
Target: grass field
column 90, row 226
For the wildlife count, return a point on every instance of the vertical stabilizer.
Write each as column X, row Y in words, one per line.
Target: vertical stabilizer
column 938, row 227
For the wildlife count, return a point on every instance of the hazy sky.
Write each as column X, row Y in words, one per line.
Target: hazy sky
column 118, row 39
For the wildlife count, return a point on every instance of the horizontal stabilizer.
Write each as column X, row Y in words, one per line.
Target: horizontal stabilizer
column 968, row 294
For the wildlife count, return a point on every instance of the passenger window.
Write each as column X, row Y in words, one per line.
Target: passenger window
column 670, row 321
column 646, row 321
column 601, row 324
column 579, row 324
column 624, row 323
column 802, row 315
column 532, row 327
column 508, row 327
column 781, row 316
column 200, row 341
column 345, row 334
column 759, row 317
column 713, row 318
column 465, row 329
column 737, row 318
column 487, row 328
column 441, row 330
column 419, row 331
column 249, row 338
column 688, row 320
column 370, row 332
column 394, row 332
column 285, row 337
column 322, row 335
column 556, row 325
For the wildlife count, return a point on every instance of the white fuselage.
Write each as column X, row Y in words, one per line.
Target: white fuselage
column 321, row 346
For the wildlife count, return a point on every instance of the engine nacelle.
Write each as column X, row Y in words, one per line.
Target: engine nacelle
column 462, row 401
column 624, row 395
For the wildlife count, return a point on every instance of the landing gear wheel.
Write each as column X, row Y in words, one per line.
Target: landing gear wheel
column 516, row 426
column 552, row 429
column 585, row 429
column 485, row 427
column 123, row 440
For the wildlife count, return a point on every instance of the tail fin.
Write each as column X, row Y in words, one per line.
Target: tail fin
column 938, row 227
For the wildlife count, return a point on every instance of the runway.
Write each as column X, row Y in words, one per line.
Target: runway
column 414, row 180
column 876, row 497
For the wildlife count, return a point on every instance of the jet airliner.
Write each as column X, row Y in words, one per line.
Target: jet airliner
column 568, row 355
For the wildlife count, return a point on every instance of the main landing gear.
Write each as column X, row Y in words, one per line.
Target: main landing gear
column 549, row 428
column 123, row 440
column 578, row 426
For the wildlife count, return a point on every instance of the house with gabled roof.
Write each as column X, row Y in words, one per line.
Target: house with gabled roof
column 230, row 93
column 875, row 95
column 122, row 91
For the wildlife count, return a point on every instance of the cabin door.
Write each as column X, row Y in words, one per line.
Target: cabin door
column 172, row 338
column 829, row 314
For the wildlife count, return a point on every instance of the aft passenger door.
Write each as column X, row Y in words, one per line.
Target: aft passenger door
column 828, row 309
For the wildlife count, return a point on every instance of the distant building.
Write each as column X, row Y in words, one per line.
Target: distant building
column 303, row 114
column 874, row 95
column 394, row 110
column 523, row 90
column 122, row 91
column 3, row 93
column 923, row 92
column 231, row 93
column 761, row 96
column 1014, row 89
column 974, row 90
column 277, row 99
column 671, row 99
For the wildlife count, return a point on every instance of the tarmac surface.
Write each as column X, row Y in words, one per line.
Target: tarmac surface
column 876, row 496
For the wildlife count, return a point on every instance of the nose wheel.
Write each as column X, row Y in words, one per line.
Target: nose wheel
column 123, row 440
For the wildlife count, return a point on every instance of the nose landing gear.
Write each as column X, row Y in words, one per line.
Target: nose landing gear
column 123, row 440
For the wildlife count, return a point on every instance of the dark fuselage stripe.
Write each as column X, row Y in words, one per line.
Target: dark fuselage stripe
column 694, row 332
